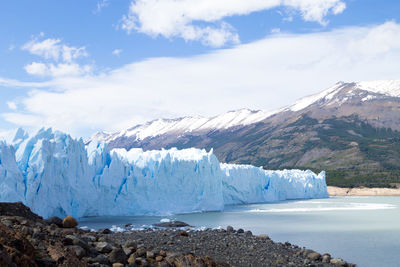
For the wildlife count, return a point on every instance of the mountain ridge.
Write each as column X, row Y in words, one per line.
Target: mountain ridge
column 350, row 129
column 244, row 116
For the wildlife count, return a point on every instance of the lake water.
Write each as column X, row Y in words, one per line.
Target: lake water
column 361, row 230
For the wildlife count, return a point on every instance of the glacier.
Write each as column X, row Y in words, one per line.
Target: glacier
column 57, row 175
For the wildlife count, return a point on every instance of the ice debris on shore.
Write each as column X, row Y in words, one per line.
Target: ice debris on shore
column 57, row 175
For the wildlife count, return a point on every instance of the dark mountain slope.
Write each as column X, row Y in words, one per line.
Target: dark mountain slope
column 349, row 130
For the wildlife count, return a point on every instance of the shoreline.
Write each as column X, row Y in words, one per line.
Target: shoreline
column 28, row 240
column 335, row 191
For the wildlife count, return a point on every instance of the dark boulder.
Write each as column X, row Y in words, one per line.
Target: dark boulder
column 55, row 220
column 105, row 231
column 117, row 255
column 172, row 224
column 18, row 209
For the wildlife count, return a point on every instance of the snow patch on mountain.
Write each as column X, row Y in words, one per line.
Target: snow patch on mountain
column 55, row 174
column 327, row 94
column 187, row 124
column 335, row 95
column 386, row 87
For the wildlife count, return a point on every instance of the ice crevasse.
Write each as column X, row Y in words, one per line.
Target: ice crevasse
column 55, row 174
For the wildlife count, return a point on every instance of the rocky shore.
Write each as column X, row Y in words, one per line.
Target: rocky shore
column 28, row 240
column 362, row 191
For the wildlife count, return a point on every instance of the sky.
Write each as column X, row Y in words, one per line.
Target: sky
column 87, row 66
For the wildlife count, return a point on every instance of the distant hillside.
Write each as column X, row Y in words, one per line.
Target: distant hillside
column 351, row 130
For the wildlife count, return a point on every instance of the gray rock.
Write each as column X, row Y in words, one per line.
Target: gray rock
column 89, row 237
column 38, row 235
column 104, row 231
column 150, row 254
column 45, row 262
column 172, row 254
column 307, row 251
column 128, row 251
column 96, row 264
column 79, row 251
column 103, row 239
column 183, row 233
column 54, row 220
column 67, row 241
column 103, row 247
column 7, row 223
column 78, row 242
column 67, row 231
column 173, row 224
column 93, row 252
column 326, row 258
column 26, row 230
column 52, row 227
column 240, row 231
column 338, row 262
column 141, row 262
column 39, row 224
column 141, row 252
column 131, row 259
column 99, row 259
column 130, row 244
column 229, row 229
column 117, row 255
column 314, row 256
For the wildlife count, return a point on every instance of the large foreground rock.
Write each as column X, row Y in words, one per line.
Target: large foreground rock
column 69, row 222
column 18, row 209
column 15, row 250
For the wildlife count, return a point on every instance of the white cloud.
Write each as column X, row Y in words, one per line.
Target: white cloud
column 15, row 83
column 266, row 74
column 54, row 50
column 316, row 10
column 61, row 69
column 12, row 105
column 49, row 48
column 176, row 18
column 117, row 52
column 275, row 30
column 36, row 68
column 100, row 5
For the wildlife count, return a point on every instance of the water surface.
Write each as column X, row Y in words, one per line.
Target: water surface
column 361, row 230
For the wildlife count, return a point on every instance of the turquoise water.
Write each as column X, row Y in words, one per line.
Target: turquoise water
column 361, row 230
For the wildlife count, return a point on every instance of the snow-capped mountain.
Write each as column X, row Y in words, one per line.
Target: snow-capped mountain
column 186, row 125
column 343, row 92
column 345, row 127
column 333, row 97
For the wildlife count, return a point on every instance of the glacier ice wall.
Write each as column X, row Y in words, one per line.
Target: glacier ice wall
column 55, row 174
column 248, row 184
